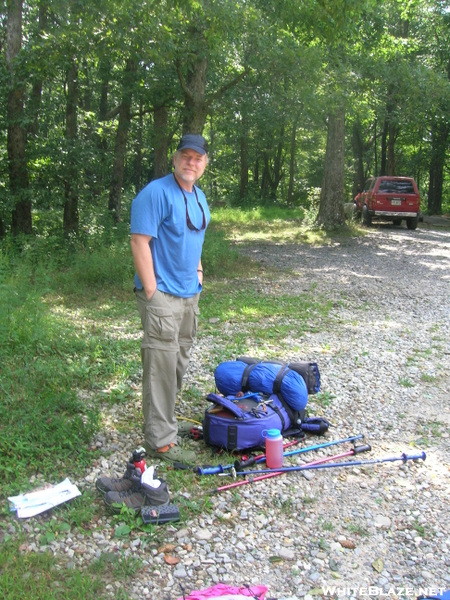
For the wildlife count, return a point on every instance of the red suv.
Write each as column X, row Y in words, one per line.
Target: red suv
column 389, row 199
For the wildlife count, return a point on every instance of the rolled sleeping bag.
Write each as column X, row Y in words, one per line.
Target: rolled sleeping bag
column 310, row 373
column 261, row 377
column 308, row 370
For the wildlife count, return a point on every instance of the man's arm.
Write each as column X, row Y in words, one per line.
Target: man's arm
column 143, row 262
column 200, row 272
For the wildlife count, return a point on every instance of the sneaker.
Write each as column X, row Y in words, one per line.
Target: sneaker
column 135, row 499
column 116, row 484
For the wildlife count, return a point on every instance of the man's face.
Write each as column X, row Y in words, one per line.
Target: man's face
column 189, row 166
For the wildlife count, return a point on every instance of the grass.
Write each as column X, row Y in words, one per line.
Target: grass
column 38, row 576
column 357, row 530
column 326, row 525
column 323, row 398
column 426, row 378
column 429, row 432
column 423, row 530
column 69, row 333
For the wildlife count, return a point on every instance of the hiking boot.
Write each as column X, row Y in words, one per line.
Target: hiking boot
column 173, row 453
column 116, row 484
column 135, row 499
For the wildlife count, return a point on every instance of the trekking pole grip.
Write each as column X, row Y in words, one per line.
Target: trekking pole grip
column 406, row 457
column 363, row 448
column 209, row 470
column 238, row 465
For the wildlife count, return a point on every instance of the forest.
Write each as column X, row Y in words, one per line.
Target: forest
column 300, row 102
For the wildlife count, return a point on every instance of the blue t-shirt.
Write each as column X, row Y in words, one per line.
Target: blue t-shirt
column 159, row 211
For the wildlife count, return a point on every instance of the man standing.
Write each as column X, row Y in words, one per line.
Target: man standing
column 168, row 221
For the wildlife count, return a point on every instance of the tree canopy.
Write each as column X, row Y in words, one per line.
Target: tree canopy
column 294, row 98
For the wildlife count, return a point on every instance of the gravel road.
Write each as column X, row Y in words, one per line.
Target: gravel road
column 375, row 530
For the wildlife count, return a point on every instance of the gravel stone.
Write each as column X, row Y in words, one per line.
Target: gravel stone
column 384, row 358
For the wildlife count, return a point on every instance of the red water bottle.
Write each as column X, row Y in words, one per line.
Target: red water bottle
column 274, row 448
column 138, row 459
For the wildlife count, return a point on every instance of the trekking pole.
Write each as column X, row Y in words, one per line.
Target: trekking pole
column 404, row 457
column 219, row 469
column 353, row 451
column 242, row 465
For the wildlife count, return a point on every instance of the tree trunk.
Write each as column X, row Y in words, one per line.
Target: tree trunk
column 115, row 190
column 243, row 185
column 16, row 136
column 196, row 105
column 265, row 176
column 161, row 141
column 393, row 131
column 358, row 153
column 375, row 154
column 272, row 172
column 274, row 181
column 36, row 90
column 439, row 137
column 193, row 84
column 101, row 139
column 331, row 207
column 71, row 217
column 384, row 137
column 211, row 162
column 104, row 71
column 290, row 194
column 256, row 172
column 195, row 109
column 138, row 167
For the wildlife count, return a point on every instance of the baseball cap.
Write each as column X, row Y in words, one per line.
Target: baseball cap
column 193, row 141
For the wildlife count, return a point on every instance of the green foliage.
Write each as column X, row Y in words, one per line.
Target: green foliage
column 405, row 382
column 78, row 513
column 267, row 130
column 428, row 431
column 326, row 525
column 217, row 256
column 43, row 422
column 323, row 399
column 52, row 357
column 38, row 576
column 357, row 529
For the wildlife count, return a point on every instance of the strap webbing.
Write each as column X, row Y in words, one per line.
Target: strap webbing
column 245, row 375
column 279, row 378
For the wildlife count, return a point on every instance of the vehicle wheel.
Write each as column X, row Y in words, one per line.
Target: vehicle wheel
column 366, row 219
column 412, row 222
column 397, row 222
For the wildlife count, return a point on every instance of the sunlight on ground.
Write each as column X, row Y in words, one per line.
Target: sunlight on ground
column 284, row 233
column 264, row 224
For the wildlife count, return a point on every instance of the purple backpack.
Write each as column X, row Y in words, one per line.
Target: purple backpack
column 237, row 422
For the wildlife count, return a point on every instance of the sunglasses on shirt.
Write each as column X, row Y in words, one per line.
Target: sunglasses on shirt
column 189, row 223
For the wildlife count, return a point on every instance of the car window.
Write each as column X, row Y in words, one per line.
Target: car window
column 396, row 186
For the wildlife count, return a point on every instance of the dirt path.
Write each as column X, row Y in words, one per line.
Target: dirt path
column 385, row 361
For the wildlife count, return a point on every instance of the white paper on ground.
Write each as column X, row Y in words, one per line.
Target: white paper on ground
column 34, row 503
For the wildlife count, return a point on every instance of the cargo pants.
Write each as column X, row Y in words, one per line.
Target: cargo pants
column 170, row 326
